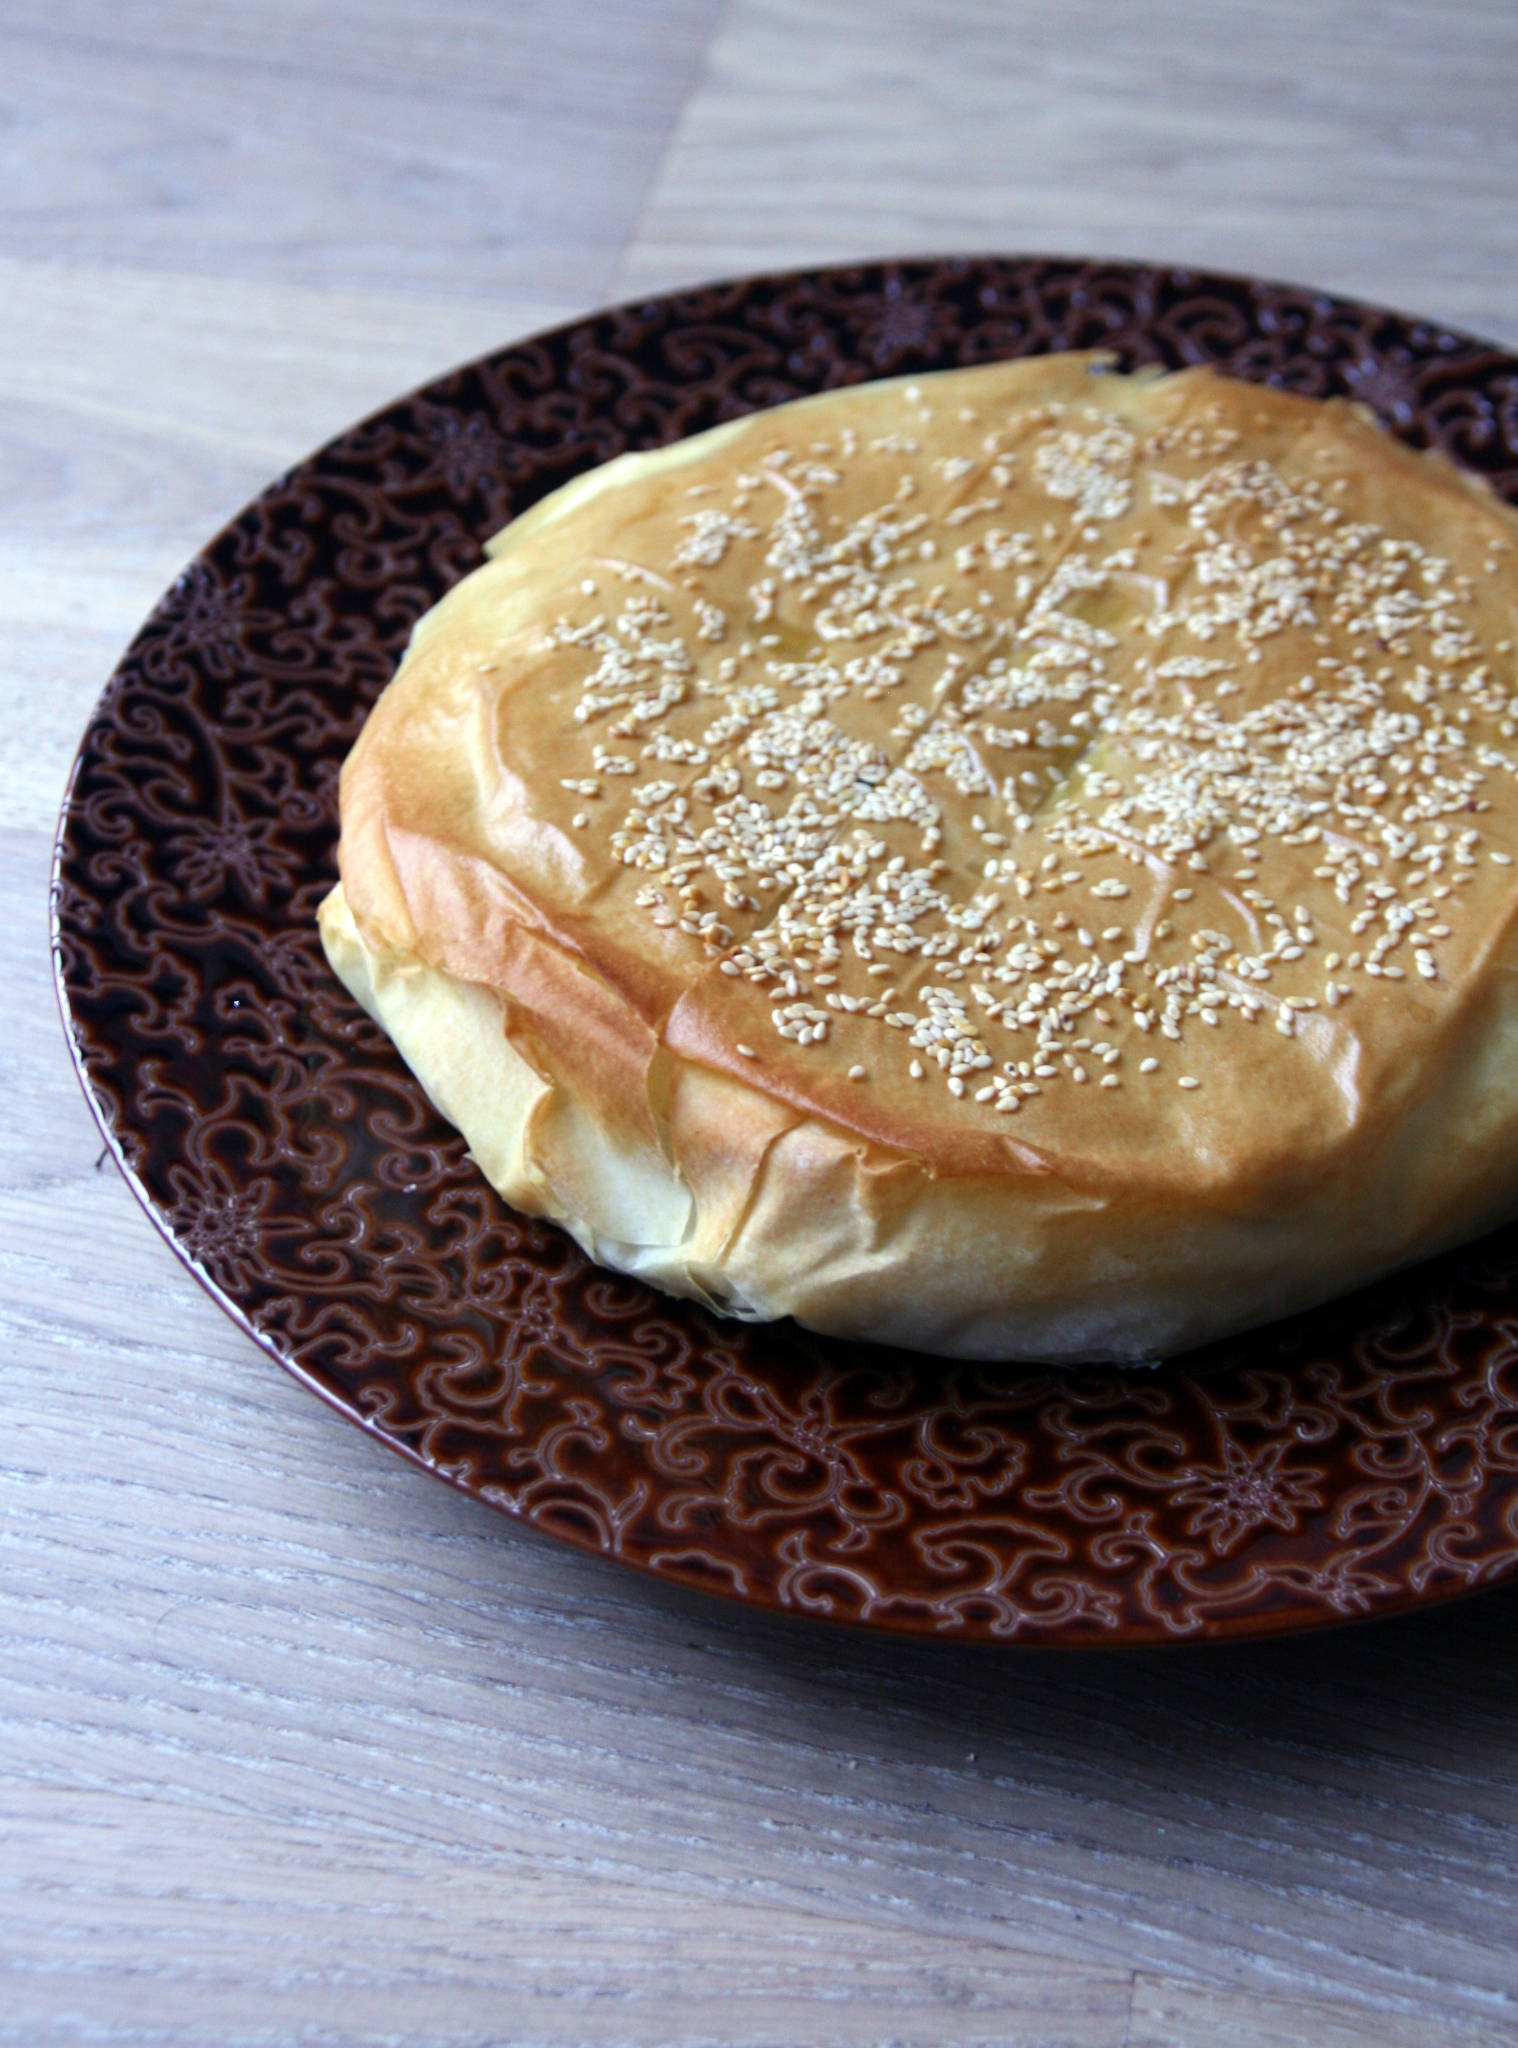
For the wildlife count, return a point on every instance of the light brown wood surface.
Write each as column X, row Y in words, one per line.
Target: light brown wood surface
column 297, row 1746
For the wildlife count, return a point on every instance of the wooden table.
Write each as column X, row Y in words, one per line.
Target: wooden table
column 300, row 1747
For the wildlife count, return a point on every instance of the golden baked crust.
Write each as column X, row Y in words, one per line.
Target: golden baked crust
column 1016, row 863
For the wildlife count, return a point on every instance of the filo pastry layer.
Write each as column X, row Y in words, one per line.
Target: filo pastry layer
column 1012, row 864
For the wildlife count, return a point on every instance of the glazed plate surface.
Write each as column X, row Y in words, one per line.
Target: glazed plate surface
column 1356, row 1461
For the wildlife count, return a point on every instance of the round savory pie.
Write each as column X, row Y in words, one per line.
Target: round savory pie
column 1017, row 863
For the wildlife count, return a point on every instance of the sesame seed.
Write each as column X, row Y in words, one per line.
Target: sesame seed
column 1188, row 1081
column 856, row 1073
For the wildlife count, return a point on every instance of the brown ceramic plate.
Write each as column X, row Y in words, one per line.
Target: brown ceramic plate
column 1352, row 1462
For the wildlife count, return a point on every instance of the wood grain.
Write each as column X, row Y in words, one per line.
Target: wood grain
column 396, row 1946
column 297, row 1744
column 1164, row 2013
column 138, row 412
column 469, row 149
column 1344, row 143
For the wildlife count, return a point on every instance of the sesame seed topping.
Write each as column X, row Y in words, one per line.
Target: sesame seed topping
column 889, row 776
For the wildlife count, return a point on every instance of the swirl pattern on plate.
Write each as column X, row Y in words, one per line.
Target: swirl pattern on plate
column 1354, row 1461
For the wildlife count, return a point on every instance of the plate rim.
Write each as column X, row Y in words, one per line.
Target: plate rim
column 1214, row 1630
